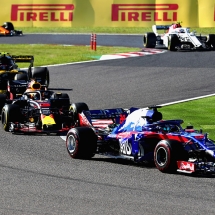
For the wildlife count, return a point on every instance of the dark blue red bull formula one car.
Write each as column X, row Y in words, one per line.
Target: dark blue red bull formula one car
column 140, row 135
column 37, row 112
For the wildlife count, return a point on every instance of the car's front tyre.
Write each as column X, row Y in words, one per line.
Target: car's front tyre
column 81, row 142
column 173, row 41
column 166, row 155
column 149, row 40
column 10, row 113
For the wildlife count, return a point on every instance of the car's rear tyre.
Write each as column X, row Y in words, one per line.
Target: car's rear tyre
column 81, row 142
column 166, row 155
column 41, row 73
column 3, row 98
column 10, row 113
column 60, row 100
column 211, row 41
column 21, row 76
column 149, row 40
column 60, row 96
column 9, row 26
column 173, row 42
column 77, row 108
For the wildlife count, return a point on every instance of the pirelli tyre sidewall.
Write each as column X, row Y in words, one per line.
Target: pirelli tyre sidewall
column 211, row 41
column 149, row 40
column 40, row 73
column 22, row 75
column 10, row 113
column 172, row 42
column 3, row 98
column 166, row 155
column 81, row 142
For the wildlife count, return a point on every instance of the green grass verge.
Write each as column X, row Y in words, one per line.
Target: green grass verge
column 110, row 30
column 58, row 54
column 199, row 113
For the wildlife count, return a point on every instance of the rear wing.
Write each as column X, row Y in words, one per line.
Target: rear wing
column 159, row 27
column 24, row 59
column 20, row 58
column 117, row 115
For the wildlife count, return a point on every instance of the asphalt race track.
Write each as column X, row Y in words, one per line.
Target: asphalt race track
column 39, row 178
column 75, row 39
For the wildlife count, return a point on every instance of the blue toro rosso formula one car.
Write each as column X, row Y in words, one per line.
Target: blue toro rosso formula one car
column 140, row 135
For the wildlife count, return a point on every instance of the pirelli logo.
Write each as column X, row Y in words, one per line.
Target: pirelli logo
column 42, row 12
column 144, row 12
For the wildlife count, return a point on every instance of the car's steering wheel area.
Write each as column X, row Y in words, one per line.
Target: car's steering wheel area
column 167, row 128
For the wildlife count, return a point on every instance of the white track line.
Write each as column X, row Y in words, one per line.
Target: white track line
column 187, row 100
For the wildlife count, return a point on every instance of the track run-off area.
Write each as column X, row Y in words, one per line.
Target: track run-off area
column 38, row 176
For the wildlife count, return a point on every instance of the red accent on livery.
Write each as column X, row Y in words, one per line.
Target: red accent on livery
column 51, row 116
column 186, row 166
column 126, row 134
column 44, row 104
column 163, row 136
column 150, row 134
column 42, row 116
column 83, row 120
column 101, row 123
column 199, row 137
column 144, row 12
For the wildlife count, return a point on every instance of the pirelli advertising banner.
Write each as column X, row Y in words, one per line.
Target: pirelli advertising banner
column 206, row 13
column 108, row 13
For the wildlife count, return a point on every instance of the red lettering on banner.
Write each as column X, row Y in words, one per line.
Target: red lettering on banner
column 214, row 13
column 43, row 16
column 165, row 17
column 123, row 16
column 21, row 16
column 62, row 17
column 156, row 17
column 144, row 12
column 146, row 16
column 31, row 16
column 53, row 18
column 42, row 12
column 133, row 16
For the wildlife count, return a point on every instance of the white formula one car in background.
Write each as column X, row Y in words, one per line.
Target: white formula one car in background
column 178, row 38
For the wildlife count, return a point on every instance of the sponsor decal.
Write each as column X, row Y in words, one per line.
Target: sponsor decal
column 125, row 147
column 144, row 12
column 187, row 166
column 42, row 12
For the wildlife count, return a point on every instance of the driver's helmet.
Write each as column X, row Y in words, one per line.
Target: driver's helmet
column 178, row 25
column 6, row 62
column 34, row 96
column 174, row 128
column 169, row 128
column 45, row 95
column 182, row 30
column 166, row 128
column 33, row 85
